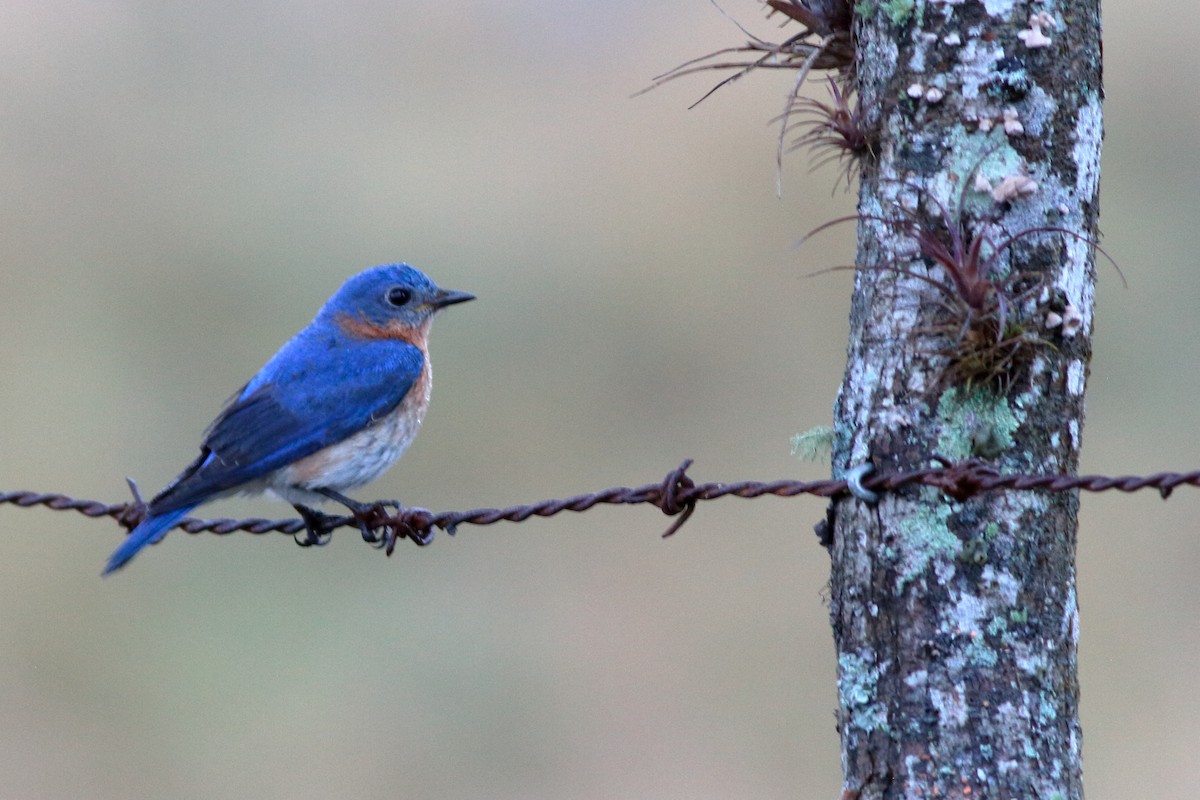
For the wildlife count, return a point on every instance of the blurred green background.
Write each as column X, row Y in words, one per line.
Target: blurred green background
column 183, row 184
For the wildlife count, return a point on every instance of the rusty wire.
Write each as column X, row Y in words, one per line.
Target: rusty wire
column 676, row 495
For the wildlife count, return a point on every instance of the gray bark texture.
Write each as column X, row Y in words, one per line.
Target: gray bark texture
column 956, row 622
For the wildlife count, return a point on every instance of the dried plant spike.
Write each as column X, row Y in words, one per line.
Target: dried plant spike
column 825, row 43
column 823, row 17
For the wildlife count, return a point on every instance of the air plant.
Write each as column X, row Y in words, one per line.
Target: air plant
column 989, row 339
column 835, row 131
column 823, row 17
column 826, row 43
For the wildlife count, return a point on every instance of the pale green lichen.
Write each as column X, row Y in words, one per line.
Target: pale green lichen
column 979, row 654
column 923, row 536
column 974, row 551
column 977, row 548
column 1047, row 709
column 858, row 688
column 898, row 11
column 972, row 155
column 974, row 422
column 815, row 443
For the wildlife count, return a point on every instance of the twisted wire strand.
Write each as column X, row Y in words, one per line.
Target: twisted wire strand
column 676, row 495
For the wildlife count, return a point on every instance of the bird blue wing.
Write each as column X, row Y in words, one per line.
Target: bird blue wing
column 315, row 397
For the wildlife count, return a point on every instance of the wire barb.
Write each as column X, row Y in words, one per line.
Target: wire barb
column 676, row 482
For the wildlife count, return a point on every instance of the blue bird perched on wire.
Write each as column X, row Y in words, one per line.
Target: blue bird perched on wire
column 331, row 411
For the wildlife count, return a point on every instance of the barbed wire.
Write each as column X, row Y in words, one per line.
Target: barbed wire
column 676, row 495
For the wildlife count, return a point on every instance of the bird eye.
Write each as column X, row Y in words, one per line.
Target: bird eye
column 398, row 296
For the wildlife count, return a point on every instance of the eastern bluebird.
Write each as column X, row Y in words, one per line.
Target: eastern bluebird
column 332, row 410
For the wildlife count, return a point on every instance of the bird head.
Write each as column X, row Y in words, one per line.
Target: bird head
column 394, row 301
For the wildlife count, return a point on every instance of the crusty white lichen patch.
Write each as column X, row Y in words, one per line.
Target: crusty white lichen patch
column 1075, row 280
column 963, row 616
column 1076, row 377
column 999, row 8
column 1070, row 621
column 1089, row 127
column 951, row 705
column 1037, row 112
column 977, row 65
column 1003, row 583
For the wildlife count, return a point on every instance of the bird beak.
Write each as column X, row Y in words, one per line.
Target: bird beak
column 446, row 297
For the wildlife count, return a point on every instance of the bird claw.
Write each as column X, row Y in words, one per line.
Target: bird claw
column 390, row 526
column 421, row 538
column 402, row 526
column 312, row 538
column 318, row 528
column 374, row 522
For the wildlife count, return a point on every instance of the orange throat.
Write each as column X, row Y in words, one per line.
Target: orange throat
column 360, row 328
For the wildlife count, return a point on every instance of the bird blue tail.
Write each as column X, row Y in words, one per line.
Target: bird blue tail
column 151, row 530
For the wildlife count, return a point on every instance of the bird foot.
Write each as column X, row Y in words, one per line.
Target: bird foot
column 373, row 521
column 318, row 527
column 377, row 522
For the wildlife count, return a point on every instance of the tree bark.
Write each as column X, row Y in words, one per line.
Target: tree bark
column 956, row 623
